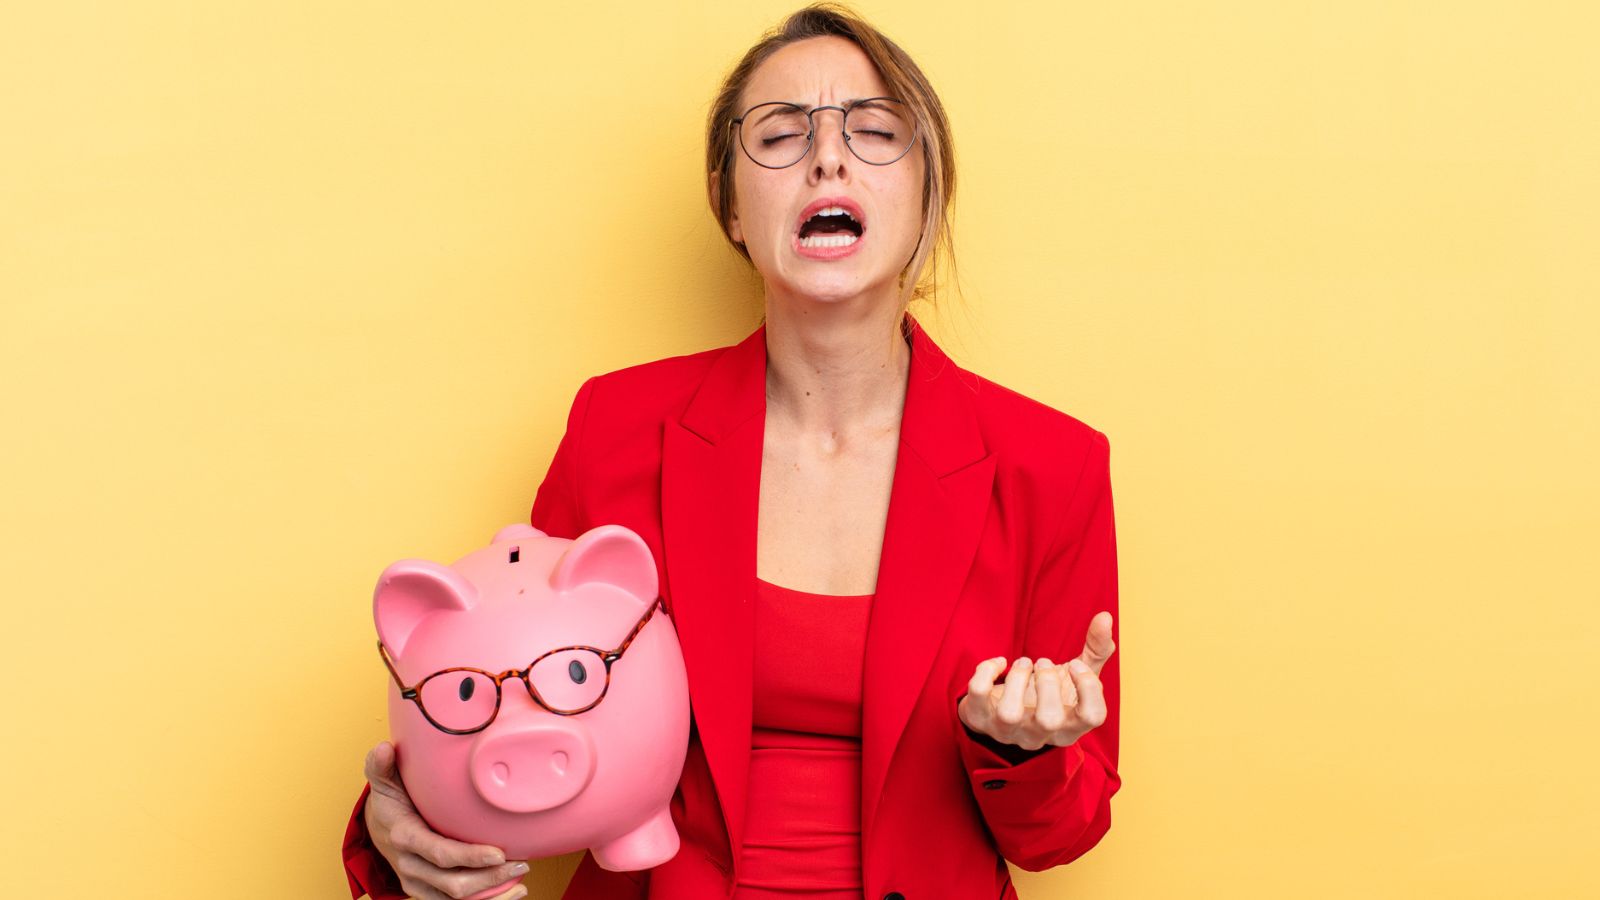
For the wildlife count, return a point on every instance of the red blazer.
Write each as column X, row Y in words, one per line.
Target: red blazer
column 1000, row 541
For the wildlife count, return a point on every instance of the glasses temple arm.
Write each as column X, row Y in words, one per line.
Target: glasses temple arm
column 406, row 692
column 658, row 602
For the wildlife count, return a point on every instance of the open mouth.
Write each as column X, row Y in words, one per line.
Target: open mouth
column 832, row 225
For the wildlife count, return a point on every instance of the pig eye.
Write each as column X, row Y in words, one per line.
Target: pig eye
column 459, row 700
column 573, row 678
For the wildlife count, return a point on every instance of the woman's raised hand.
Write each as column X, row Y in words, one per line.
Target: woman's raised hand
column 1043, row 704
column 430, row 865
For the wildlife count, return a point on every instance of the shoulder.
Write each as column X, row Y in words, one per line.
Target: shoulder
column 1044, row 446
column 664, row 379
column 644, row 393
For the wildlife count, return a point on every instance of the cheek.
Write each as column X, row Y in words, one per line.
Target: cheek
column 753, row 205
column 910, row 208
column 765, row 210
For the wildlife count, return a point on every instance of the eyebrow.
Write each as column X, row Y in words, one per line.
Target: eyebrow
column 846, row 104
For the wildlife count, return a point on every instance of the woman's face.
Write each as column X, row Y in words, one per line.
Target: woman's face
column 770, row 206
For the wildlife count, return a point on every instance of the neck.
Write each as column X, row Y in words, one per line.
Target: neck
column 836, row 369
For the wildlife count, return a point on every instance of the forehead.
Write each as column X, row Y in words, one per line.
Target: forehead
column 817, row 70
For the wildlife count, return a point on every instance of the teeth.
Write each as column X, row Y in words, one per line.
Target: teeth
column 828, row 240
column 834, row 211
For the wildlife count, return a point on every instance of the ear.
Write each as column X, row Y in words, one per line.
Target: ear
column 410, row 591
column 609, row 554
column 735, row 230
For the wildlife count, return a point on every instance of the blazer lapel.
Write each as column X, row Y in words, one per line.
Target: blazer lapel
column 937, row 505
column 710, row 494
column 710, row 488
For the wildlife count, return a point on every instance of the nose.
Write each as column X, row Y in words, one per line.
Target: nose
column 829, row 149
column 533, row 767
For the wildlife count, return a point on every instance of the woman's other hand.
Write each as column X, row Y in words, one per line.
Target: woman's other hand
column 430, row 865
column 1043, row 704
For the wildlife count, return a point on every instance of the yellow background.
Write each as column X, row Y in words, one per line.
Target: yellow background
column 291, row 290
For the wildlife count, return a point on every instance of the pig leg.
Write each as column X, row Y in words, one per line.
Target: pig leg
column 645, row 847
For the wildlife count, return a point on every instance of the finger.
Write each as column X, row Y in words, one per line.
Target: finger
column 1069, row 691
column 464, row 881
column 417, row 890
column 414, row 836
column 1097, row 645
column 1091, row 709
column 1051, row 713
column 979, row 689
column 516, row 893
column 1011, row 711
column 984, row 675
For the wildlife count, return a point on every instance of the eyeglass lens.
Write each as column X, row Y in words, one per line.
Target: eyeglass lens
column 779, row 134
column 568, row 680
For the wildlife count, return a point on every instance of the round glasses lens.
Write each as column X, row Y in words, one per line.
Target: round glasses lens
column 774, row 134
column 569, row 680
column 880, row 130
column 458, row 700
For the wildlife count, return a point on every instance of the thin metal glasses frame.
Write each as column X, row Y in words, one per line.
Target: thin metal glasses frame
column 811, row 129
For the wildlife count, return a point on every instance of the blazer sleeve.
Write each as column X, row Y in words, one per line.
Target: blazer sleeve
column 364, row 867
column 1048, row 807
column 557, row 511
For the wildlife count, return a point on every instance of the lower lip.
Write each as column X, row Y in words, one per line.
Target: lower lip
column 828, row 252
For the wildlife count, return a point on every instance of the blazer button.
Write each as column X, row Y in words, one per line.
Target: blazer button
column 994, row 784
column 894, row 895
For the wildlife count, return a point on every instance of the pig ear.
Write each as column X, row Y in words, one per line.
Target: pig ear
column 610, row 554
column 410, row 591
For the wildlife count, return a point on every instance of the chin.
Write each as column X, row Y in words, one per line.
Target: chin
column 834, row 288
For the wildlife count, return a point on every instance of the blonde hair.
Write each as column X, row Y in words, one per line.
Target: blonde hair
column 935, row 246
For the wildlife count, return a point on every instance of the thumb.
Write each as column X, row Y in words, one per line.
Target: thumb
column 1098, row 645
column 381, row 768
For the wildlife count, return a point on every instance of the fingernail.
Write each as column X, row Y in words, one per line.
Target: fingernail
column 519, row 869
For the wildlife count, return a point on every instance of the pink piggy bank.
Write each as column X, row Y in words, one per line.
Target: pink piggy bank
column 539, row 701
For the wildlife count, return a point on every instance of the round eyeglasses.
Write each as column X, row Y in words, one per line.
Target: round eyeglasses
column 776, row 135
column 565, row 681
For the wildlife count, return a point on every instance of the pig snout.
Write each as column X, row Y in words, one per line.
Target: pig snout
column 532, row 768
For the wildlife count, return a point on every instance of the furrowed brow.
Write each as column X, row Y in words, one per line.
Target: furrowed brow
column 846, row 104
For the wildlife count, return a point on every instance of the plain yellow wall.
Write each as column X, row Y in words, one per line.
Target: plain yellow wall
column 289, row 291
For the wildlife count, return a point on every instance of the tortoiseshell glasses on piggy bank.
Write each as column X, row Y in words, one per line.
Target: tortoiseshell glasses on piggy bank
column 566, row 681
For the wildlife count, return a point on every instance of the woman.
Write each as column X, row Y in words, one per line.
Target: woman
column 855, row 534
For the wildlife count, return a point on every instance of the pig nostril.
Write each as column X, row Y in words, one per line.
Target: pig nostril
column 558, row 761
column 502, row 773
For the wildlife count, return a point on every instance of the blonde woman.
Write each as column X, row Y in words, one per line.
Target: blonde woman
column 894, row 581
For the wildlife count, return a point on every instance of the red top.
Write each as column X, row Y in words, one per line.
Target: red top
column 803, row 832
